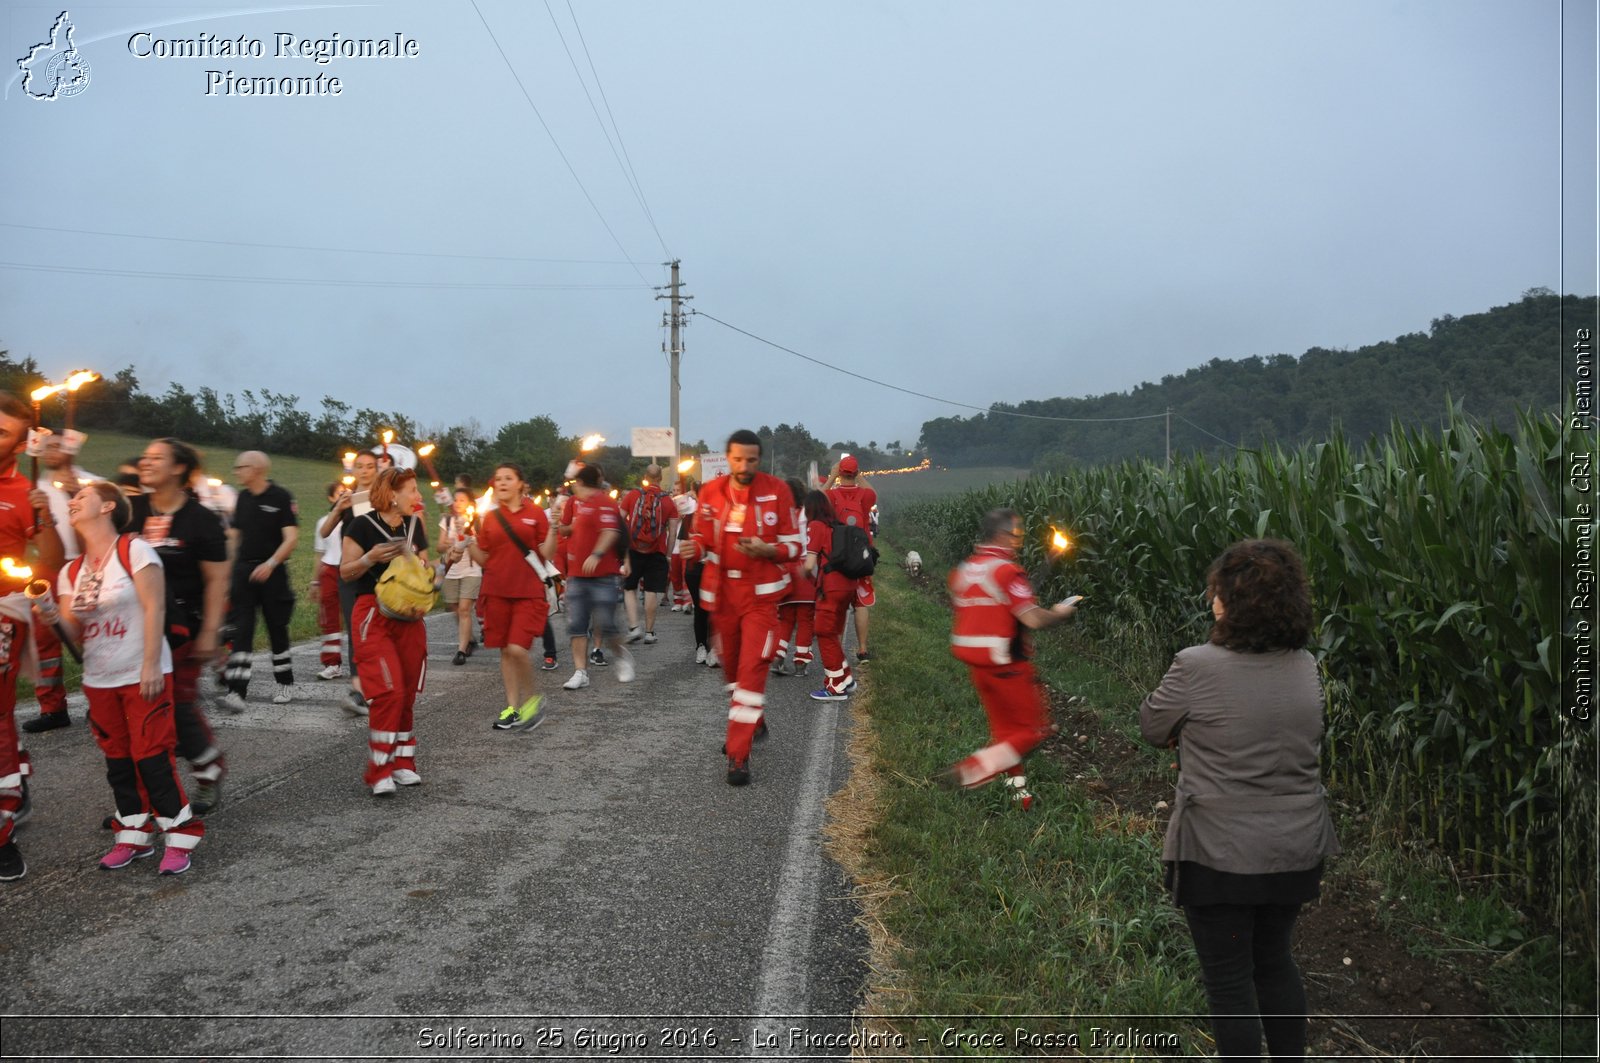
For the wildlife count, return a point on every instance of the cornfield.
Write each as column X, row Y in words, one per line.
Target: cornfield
column 1434, row 560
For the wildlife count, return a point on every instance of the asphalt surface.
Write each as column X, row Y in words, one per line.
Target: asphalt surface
column 592, row 888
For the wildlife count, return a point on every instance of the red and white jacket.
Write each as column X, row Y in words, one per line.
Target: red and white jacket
column 769, row 518
column 990, row 591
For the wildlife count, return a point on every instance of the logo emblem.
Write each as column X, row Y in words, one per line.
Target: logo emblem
column 55, row 69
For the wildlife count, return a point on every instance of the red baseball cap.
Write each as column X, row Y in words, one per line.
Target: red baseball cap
column 848, row 466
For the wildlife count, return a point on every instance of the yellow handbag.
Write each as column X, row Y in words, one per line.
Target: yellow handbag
column 405, row 590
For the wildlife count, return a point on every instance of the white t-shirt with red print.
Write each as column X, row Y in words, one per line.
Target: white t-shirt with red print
column 106, row 603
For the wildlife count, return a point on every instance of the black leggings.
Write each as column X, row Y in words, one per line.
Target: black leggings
column 1252, row 983
column 702, row 619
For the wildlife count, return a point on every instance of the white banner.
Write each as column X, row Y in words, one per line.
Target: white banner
column 713, row 466
column 655, row 443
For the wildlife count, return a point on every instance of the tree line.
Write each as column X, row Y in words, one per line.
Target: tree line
column 1490, row 365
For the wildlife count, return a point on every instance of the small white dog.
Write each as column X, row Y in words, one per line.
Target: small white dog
column 913, row 563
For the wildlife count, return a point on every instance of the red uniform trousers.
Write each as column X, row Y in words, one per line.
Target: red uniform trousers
column 1019, row 719
column 677, row 572
column 14, row 766
column 197, row 743
column 328, row 618
column 836, row 596
column 137, row 737
column 392, row 656
column 49, row 689
column 796, row 622
column 746, row 627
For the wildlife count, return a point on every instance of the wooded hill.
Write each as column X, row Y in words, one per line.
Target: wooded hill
column 1491, row 364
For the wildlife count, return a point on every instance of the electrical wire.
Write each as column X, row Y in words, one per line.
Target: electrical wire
column 1213, row 435
column 556, row 144
column 919, row 394
column 627, row 171
column 332, row 282
column 300, row 247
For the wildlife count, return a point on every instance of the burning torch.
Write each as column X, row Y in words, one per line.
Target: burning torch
column 425, row 452
column 387, row 435
column 74, row 382
column 38, row 395
column 44, row 600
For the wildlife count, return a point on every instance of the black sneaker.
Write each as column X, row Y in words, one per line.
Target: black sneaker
column 459, row 658
column 738, row 772
column 549, row 664
column 863, row 658
column 47, row 721
column 207, row 796
column 598, row 659
column 12, row 866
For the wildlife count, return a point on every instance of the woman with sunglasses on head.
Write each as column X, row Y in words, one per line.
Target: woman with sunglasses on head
column 389, row 649
column 193, row 547
column 112, row 600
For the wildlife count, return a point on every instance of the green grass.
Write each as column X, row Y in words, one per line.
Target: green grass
column 989, row 911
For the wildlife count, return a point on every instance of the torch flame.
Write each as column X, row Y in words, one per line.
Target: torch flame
column 686, row 464
column 1059, row 540
column 12, row 570
column 425, row 449
column 213, row 481
column 40, row 394
column 348, row 481
column 80, row 378
column 485, row 498
column 388, row 435
column 591, row 442
column 613, row 492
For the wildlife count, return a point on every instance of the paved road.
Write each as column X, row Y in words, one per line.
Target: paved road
column 597, row 866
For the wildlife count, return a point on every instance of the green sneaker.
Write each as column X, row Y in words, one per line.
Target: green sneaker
column 507, row 719
column 528, row 716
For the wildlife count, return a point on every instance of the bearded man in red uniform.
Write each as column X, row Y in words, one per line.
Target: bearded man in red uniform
column 994, row 612
column 745, row 529
column 24, row 515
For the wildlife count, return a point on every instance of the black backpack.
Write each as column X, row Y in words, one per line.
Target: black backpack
column 852, row 555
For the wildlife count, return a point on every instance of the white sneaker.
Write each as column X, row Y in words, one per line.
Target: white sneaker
column 677, row 608
column 699, row 655
column 649, row 638
column 282, row 697
column 232, row 703
column 711, row 660
column 383, row 787
column 634, row 635
column 624, row 662
column 405, row 777
column 579, row 680
column 333, row 671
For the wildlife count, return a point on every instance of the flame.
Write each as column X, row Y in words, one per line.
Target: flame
column 348, row 481
column 388, row 436
column 924, row 467
column 213, row 481
column 80, row 378
column 486, row 498
column 58, row 484
column 686, row 464
column 349, row 459
column 613, row 492
column 12, row 570
column 591, row 442
column 424, row 450
column 1059, row 540
column 40, row 394
column 433, row 483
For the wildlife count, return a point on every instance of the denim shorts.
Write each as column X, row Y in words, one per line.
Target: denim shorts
column 596, row 597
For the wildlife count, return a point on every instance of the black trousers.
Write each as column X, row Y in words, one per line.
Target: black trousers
column 273, row 598
column 1252, row 984
column 702, row 619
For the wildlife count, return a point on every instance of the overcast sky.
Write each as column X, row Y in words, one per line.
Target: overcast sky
column 982, row 201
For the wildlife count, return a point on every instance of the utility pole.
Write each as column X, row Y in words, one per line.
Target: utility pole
column 1169, row 430
column 675, row 320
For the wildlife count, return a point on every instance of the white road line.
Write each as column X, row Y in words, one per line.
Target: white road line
column 786, row 960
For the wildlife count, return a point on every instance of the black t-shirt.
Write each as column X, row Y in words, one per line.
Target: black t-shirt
column 369, row 530
column 261, row 520
column 183, row 540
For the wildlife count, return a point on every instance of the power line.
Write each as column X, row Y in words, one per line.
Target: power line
column 1213, row 435
column 334, row 282
column 919, row 394
column 554, row 143
column 332, row 250
column 627, row 173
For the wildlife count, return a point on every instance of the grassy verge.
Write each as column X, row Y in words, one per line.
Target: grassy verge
column 980, row 913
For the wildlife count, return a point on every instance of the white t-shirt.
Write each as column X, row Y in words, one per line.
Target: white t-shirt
column 450, row 529
column 113, row 629
column 329, row 549
column 685, row 504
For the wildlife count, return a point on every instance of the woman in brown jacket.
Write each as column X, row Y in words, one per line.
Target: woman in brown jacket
column 1250, row 824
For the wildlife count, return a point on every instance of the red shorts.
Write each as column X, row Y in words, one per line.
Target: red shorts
column 513, row 621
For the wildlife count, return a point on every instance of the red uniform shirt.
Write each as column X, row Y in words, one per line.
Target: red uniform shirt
column 989, row 591
column 853, row 505
column 589, row 517
column 16, row 516
column 507, row 573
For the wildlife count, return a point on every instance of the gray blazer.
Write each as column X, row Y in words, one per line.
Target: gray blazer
column 1250, row 799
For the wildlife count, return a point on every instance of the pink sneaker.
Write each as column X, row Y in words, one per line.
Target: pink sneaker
column 122, row 854
column 174, row 861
